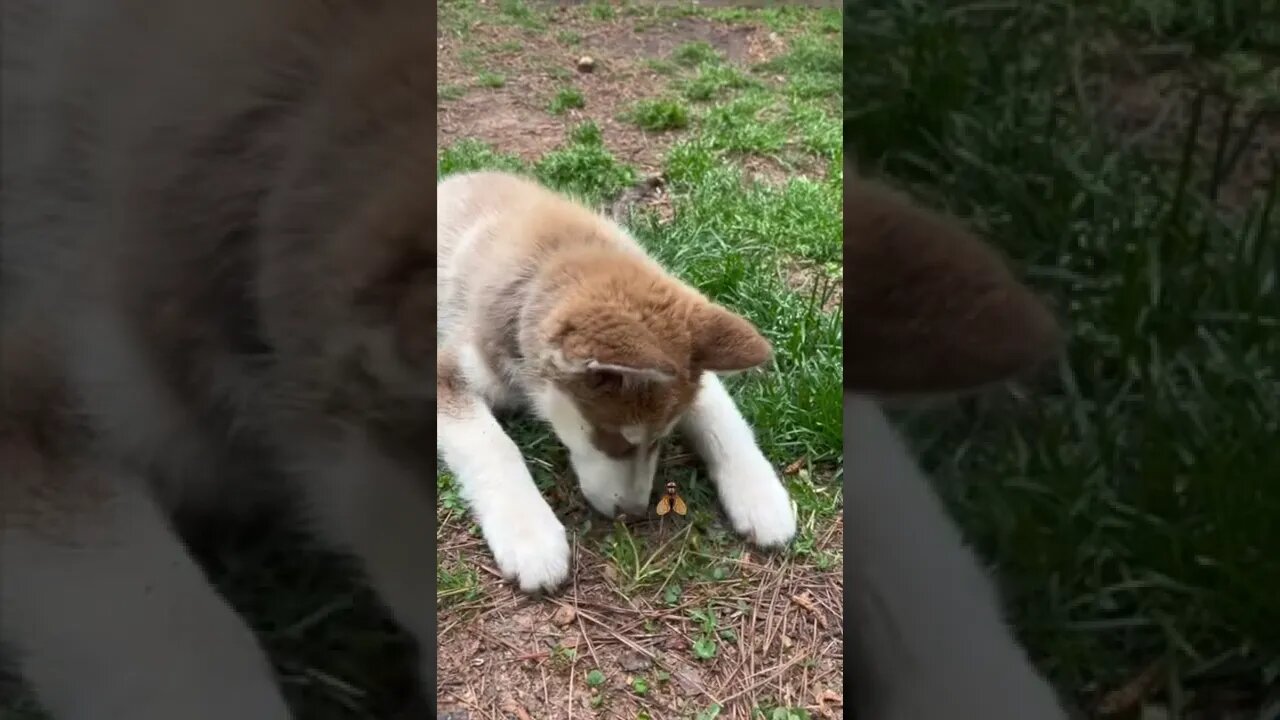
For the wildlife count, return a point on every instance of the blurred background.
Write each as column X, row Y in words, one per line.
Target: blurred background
column 1123, row 153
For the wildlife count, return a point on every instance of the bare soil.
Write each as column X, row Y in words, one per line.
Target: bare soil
column 514, row 117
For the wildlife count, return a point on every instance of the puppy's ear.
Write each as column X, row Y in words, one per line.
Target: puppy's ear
column 726, row 342
column 929, row 308
column 602, row 341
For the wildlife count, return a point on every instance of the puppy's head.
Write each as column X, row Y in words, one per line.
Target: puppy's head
column 625, row 348
column 929, row 308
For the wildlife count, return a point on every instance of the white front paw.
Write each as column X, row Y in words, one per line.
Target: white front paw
column 756, row 502
column 530, row 545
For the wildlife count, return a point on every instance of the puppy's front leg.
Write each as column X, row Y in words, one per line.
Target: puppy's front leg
column 381, row 511
column 527, row 540
column 109, row 617
column 752, row 494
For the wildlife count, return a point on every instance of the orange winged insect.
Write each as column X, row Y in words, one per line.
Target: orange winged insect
column 671, row 500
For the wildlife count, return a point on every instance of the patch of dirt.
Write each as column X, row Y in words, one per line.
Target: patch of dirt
column 515, row 119
column 1147, row 100
column 505, row 656
column 809, row 280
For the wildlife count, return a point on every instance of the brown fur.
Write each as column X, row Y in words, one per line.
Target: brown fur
column 554, row 286
column 929, row 308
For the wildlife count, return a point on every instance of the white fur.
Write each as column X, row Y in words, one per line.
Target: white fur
column 366, row 504
column 137, row 415
column 930, row 640
column 118, row 622
column 527, row 540
column 609, row 485
column 496, row 392
column 752, row 494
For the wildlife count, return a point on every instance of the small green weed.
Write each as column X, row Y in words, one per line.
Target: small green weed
column 705, row 647
column 456, row 583
column 711, row 713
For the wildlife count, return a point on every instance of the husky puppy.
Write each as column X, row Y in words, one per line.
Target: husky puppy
column 547, row 305
column 928, row 309
column 216, row 288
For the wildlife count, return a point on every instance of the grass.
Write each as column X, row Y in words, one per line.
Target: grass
column 659, row 114
column 695, row 53
column 566, row 99
column 491, row 80
column 1131, row 506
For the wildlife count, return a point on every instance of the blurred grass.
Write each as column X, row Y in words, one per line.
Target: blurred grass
column 1132, row 505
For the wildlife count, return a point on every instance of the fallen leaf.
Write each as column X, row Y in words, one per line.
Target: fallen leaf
column 795, row 467
column 805, row 600
column 1127, row 696
column 564, row 615
column 633, row 661
column 511, row 706
column 828, row 699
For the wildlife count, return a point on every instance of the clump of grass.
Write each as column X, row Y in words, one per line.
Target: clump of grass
column 740, row 126
column 811, row 67
column 519, row 13
column 456, row 583
column 659, row 114
column 566, row 99
column 809, row 55
column 715, row 80
column 471, row 155
column 491, row 79
column 584, row 167
column 695, row 53
column 602, row 11
column 569, row 37
column 450, row 92
column 661, row 66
